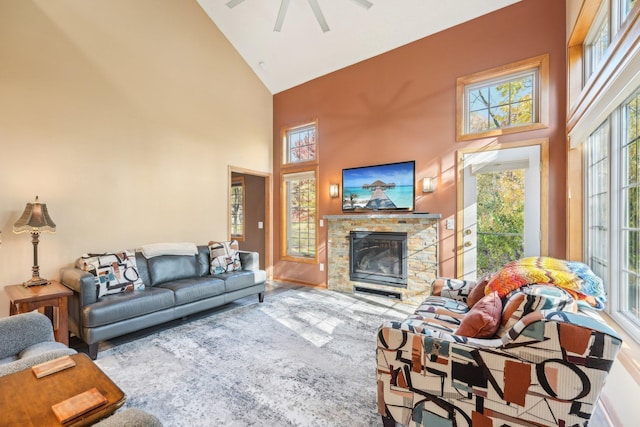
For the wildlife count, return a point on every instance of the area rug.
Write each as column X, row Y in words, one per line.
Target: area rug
column 304, row 357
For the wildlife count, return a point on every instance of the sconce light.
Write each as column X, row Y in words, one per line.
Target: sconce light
column 428, row 185
column 334, row 190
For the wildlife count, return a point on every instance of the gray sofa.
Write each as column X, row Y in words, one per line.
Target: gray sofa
column 175, row 286
column 27, row 340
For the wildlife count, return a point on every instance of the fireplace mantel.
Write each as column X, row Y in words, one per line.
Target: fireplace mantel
column 422, row 248
column 384, row 216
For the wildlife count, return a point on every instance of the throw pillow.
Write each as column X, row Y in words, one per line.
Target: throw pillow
column 224, row 257
column 477, row 292
column 113, row 272
column 483, row 319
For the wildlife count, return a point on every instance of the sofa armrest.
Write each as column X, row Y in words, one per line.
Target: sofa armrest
column 81, row 283
column 249, row 260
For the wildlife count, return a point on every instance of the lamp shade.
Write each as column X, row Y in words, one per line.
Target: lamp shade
column 35, row 218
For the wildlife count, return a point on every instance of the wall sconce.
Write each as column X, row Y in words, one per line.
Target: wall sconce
column 428, row 185
column 334, row 190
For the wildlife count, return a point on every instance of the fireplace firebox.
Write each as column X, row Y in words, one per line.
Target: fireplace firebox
column 378, row 257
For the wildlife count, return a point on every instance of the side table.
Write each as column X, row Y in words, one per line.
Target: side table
column 53, row 294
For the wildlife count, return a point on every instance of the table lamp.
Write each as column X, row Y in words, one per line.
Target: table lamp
column 35, row 219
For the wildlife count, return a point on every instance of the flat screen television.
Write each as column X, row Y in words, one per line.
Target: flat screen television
column 379, row 187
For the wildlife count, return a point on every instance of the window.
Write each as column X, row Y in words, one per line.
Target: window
column 508, row 99
column 597, row 200
column 627, row 5
column 612, row 222
column 300, row 213
column 300, row 144
column 237, row 208
column 629, row 205
column 597, row 41
column 299, row 196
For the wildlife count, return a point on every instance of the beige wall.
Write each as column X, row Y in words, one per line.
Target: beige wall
column 119, row 114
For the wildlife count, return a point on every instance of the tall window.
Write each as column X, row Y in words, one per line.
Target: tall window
column 237, row 208
column 300, row 202
column 597, row 200
column 299, row 208
column 627, row 5
column 629, row 205
column 507, row 99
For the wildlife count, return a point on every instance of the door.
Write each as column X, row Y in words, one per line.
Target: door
column 502, row 201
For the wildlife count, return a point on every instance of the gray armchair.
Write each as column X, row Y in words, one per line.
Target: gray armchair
column 27, row 340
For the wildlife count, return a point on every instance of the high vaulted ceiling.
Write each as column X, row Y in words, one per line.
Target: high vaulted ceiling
column 302, row 51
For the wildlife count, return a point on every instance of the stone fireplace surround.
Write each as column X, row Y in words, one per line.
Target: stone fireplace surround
column 422, row 249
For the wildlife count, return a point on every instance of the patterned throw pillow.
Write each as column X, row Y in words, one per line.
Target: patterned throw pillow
column 224, row 257
column 113, row 272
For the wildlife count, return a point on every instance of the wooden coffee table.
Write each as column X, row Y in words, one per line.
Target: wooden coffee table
column 27, row 400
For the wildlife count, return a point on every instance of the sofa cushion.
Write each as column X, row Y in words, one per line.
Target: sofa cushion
column 194, row 289
column 113, row 272
column 237, row 280
column 477, row 292
column 224, row 257
column 167, row 268
column 127, row 305
column 483, row 319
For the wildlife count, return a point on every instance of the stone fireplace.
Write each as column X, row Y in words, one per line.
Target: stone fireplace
column 419, row 262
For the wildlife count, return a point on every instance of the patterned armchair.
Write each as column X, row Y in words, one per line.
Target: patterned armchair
column 543, row 362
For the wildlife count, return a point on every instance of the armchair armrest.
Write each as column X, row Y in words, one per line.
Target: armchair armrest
column 456, row 289
column 22, row 331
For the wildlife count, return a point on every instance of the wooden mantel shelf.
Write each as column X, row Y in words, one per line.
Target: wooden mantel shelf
column 385, row 216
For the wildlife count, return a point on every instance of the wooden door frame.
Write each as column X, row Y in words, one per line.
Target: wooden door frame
column 268, row 220
column 544, row 193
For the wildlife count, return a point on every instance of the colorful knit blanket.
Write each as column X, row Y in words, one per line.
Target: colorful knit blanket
column 574, row 277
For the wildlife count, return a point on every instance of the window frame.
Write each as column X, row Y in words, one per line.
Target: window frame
column 237, row 182
column 287, row 169
column 286, row 148
column 603, row 18
column 286, row 223
column 504, row 72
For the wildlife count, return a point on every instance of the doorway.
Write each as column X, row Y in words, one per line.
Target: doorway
column 502, row 206
column 249, row 218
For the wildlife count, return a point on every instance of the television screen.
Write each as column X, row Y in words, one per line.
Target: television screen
column 379, row 187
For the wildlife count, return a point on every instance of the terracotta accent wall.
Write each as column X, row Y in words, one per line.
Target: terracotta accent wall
column 401, row 106
column 123, row 116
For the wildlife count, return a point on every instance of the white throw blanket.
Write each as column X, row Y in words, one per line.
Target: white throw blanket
column 156, row 249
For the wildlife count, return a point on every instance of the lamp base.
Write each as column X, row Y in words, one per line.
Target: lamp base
column 35, row 281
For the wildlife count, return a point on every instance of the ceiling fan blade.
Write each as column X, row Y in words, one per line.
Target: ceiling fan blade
column 233, row 3
column 364, row 3
column 319, row 16
column 281, row 14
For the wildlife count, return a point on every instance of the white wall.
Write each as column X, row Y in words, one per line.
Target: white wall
column 123, row 116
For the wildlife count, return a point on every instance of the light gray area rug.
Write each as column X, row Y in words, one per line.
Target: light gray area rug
column 305, row 357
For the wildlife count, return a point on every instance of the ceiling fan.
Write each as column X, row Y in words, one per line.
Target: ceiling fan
column 315, row 7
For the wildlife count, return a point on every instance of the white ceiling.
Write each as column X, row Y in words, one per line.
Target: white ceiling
column 301, row 51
